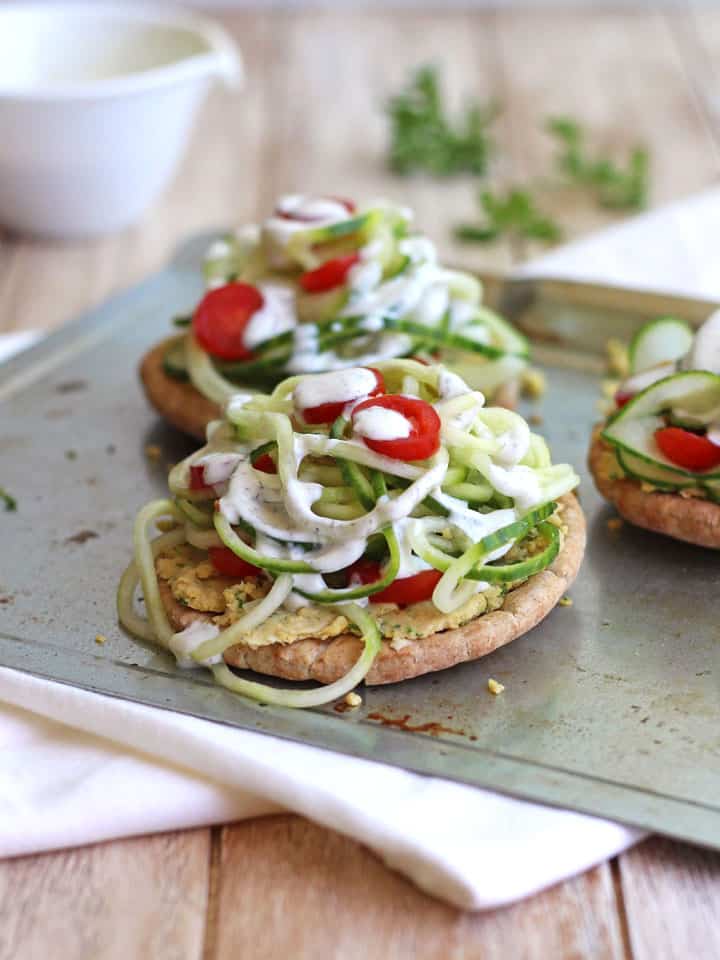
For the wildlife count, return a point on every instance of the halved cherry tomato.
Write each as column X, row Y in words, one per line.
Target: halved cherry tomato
column 293, row 215
column 413, row 589
column 622, row 397
column 265, row 464
column 329, row 275
column 221, row 318
column 406, row 590
column 363, row 571
column 197, row 478
column 424, row 438
column 328, row 412
column 230, row 565
column 688, row 450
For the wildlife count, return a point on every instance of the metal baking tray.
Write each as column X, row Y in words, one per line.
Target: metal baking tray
column 611, row 705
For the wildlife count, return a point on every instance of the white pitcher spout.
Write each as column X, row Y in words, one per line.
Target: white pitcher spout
column 224, row 61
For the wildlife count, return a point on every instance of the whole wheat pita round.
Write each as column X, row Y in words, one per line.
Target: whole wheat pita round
column 328, row 660
column 684, row 518
column 178, row 401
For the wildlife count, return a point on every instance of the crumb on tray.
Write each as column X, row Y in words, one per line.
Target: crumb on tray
column 494, row 687
column 100, row 638
column 617, row 358
column 353, row 699
column 533, row 383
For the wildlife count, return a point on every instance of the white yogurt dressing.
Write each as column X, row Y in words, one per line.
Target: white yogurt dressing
column 476, row 525
column 277, row 314
column 309, row 212
column 451, row 385
column 514, row 443
column 218, row 467
column 307, row 208
column 340, row 386
column 378, row 347
column 183, row 643
column 518, row 482
column 713, row 434
column 396, row 297
column 364, row 275
column 410, row 563
column 378, row 423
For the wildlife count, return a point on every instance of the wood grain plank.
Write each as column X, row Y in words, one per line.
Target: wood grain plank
column 144, row 897
column 671, row 893
column 623, row 75
column 289, row 888
column 697, row 31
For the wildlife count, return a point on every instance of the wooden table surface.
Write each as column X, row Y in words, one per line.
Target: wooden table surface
column 310, row 119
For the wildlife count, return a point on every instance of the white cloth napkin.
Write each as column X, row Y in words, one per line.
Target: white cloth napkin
column 76, row 767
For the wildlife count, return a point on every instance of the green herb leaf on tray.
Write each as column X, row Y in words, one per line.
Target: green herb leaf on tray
column 615, row 187
column 424, row 138
column 511, row 214
column 9, row 501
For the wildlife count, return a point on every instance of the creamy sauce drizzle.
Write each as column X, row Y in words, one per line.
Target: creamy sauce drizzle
column 337, row 387
column 377, row 423
column 277, row 314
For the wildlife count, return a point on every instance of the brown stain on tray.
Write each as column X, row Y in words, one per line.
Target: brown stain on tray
column 82, row 536
column 434, row 728
column 71, row 386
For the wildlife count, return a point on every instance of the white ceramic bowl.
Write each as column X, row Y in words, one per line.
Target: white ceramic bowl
column 97, row 103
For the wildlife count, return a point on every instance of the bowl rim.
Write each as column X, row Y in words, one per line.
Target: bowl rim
column 220, row 59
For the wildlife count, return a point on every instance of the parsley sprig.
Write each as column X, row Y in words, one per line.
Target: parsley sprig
column 613, row 186
column 513, row 214
column 422, row 137
column 9, row 501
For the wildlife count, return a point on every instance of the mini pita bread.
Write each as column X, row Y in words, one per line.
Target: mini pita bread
column 684, row 518
column 178, row 401
column 328, row 660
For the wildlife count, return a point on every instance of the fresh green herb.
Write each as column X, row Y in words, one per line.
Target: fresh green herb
column 512, row 214
column 423, row 138
column 614, row 187
column 183, row 320
column 9, row 501
column 71, row 454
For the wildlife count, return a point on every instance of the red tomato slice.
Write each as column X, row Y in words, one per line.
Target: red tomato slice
column 230, row 565
column 413, row 589
column 265, row 464
column 329, row 275
column 622, row 397
column 688, row 450
column 424, row 438
column 221, row 318
column 197, row 478
column 304, row 218
column 407, row 590
column 328, row 412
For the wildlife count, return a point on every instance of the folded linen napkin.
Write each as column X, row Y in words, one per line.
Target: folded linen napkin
column 76, row 767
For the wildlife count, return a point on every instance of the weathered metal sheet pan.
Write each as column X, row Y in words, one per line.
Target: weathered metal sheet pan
column 612, row 705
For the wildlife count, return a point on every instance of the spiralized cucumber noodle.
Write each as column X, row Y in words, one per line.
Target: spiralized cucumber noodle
column 333, row 502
